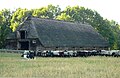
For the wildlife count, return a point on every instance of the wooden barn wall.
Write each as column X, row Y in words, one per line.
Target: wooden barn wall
column 11, row 44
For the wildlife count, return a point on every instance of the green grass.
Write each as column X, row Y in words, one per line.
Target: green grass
column 12, row 65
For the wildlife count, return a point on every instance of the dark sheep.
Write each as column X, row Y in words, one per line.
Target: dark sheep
column 31, row 55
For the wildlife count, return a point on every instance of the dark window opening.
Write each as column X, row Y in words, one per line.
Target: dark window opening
column 22, row 34
column 24, row 45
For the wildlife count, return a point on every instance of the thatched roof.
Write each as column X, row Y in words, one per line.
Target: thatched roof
column 53, row 33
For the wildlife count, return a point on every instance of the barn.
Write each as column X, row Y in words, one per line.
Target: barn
column 47, row 34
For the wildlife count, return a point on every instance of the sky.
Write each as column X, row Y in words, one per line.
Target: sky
column 109, row 9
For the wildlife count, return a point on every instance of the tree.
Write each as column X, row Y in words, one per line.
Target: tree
column 18, row 17
column 5, row 16
column 116, row 30
column 53, row 11
column 41, row 13
column 64, row 17
column 47, row 12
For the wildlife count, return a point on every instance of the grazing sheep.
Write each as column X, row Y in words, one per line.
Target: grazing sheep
column 31, row 55
column 28, row 55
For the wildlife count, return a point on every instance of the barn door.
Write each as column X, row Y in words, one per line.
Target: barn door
column 24, row 45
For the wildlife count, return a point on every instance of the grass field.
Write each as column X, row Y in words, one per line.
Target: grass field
column 12, row 65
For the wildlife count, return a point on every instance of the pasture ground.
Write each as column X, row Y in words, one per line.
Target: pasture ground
column 12, row 65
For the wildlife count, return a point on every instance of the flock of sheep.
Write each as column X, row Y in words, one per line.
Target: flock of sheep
column 65, row 53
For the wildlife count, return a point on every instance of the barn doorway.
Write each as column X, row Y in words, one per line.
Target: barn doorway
column 24, row 45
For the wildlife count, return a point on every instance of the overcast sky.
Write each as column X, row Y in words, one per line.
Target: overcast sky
column 109, row 9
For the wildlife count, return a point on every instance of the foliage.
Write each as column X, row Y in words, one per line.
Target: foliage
column 5, row 16
column 47, row 12
column 64, row 17
column 18, row 17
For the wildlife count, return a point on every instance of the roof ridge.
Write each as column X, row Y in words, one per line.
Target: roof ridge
column 60, row 20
